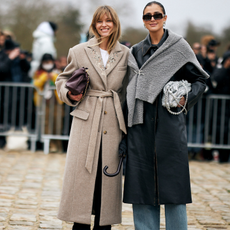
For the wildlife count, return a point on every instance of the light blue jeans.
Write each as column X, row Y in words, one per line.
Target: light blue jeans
column 147, row 217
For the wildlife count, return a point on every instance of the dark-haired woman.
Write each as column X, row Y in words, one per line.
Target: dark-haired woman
column 97, row 126
column 157, row 170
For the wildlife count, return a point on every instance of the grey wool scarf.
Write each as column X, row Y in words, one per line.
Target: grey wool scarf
column 146, row 83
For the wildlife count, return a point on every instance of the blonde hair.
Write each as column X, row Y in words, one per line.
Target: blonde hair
column 116, row 32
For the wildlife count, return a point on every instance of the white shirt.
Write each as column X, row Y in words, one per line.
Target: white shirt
column 105, row 56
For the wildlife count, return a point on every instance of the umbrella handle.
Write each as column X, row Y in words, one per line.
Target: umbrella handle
column 118, row 168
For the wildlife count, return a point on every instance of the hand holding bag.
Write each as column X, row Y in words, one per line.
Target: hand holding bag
column 173, row 91
column 78, row 83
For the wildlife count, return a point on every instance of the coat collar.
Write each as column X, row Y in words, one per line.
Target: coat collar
column 167, row 44
column 147, row 44
column 93, row 51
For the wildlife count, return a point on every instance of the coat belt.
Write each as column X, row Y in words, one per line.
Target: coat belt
column 96, row 121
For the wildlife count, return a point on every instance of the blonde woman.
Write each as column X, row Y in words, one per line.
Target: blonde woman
column 97, row 126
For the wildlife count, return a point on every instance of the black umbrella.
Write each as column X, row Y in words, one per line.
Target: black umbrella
column 122, row 154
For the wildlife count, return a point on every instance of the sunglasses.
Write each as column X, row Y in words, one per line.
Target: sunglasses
column 157, row 16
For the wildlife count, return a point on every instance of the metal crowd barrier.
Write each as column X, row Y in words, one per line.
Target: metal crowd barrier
column 208, row 122
column 56, row 120
column 17, row 111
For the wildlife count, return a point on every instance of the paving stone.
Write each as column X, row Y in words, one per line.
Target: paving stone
column 20, row 228
column 50, row 225
column 24, row 223
column 30, row 194
column 48, row 213
column 2, row 218
column 31, row 185
column 25, row 217
column 25, row 206
column 26, row 202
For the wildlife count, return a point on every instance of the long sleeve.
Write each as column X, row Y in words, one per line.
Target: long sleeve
column 63, row 77
column 190, row 73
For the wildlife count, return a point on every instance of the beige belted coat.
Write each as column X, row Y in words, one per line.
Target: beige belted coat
column 98, row 119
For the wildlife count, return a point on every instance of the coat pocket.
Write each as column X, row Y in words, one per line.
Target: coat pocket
column 80, row 114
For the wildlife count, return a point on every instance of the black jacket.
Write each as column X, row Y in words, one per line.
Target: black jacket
column 157, row 170
column 5, row 67
column 222, row 78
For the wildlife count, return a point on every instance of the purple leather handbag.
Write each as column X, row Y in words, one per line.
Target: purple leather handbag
column 79, row 82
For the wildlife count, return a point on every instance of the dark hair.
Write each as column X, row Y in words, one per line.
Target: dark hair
column 10, row 44
column 47, row 57
column 155, row 2
column 54, row 26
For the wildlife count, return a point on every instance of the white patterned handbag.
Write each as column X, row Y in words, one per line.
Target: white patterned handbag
column 173, row 92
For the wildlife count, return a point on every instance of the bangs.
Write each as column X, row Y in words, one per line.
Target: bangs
column 101, row 13
column 112, row 15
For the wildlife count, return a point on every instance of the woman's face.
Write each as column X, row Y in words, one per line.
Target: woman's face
column 154, row 25
column 104, row 26
column 48, row 65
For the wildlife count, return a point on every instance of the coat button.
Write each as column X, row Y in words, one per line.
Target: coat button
column 105, row 112
column 105, row 132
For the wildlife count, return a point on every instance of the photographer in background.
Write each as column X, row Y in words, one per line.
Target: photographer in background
column 13, row 65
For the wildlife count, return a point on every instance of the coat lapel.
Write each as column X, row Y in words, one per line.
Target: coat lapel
column 93, row 53
column 114, row 58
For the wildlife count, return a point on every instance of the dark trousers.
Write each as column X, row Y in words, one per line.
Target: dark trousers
column 96, row 202
column 224, row 155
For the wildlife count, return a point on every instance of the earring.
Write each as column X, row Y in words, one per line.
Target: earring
column 144, row 26
column 164, row 23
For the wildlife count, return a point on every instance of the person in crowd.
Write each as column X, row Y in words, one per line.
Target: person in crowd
column 157, row 171
column 13, row 68
column 221, row 77
column 209, row 61
column 196, row 47
column 3, row 62
column 44, row 37
column 43, row 78
column 61, row 63
column 208, row 57
column 13, row 65
column 9, row 35
column 2, row 40
column 97, row 126
column 126, row 43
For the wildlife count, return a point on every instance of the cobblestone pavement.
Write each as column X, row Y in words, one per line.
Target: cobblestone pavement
column 30, row 187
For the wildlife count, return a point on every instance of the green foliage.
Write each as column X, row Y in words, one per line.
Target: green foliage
column 133, row 35
column 69, row 30
column 195, row 33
